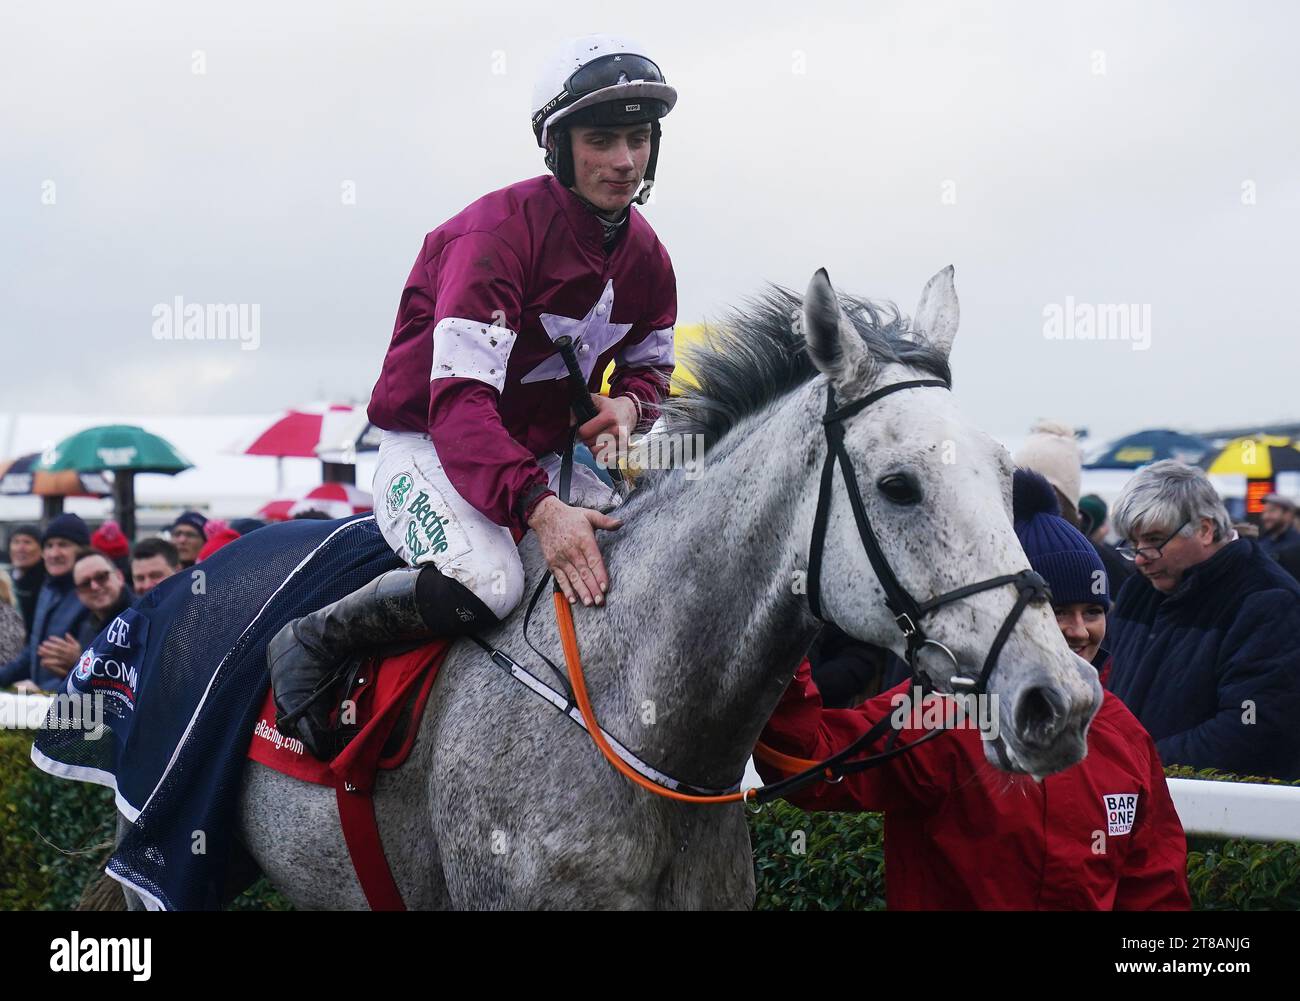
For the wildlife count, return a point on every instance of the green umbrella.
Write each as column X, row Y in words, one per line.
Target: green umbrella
column 115, row 446
column 123, row 448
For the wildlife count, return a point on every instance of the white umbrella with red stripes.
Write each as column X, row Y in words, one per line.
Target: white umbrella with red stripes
column 337, row 500
column 299, row 432
column 331, row 432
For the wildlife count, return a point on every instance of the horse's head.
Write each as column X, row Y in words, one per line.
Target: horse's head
column 937, row 496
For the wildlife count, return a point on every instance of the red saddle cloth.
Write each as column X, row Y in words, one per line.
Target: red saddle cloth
column 390, row 699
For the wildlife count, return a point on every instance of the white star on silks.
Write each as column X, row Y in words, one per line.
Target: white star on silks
column 592, row 336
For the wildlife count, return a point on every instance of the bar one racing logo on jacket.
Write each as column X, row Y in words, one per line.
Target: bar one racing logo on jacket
column 102, row 955
column 1121, row 810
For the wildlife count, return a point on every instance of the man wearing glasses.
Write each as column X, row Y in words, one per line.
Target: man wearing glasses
column 473, row 396
column 188, row 534
column 102, row 589
column 1206, row 636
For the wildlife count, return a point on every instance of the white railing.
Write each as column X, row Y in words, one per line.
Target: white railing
column 1237, row 809
column 1214, row 809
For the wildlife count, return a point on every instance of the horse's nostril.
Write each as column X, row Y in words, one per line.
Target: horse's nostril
column 1041, row 712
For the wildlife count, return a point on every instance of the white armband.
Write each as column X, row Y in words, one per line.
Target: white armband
column 471, row 349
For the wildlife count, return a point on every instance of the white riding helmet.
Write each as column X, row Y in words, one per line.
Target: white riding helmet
column 599, row 80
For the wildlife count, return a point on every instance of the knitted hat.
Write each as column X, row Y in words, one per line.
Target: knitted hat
column 28, row 529
column 67, row 526
column 1056, row 549
column 1092, row 513
column 1052, row 450
column 195, row 520
column 222, row 536
column 245, row 525
column 109, row 540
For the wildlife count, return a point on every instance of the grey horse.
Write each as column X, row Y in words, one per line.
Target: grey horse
column 505, row 803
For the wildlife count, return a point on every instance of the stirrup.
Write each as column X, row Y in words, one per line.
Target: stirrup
column 327, row 682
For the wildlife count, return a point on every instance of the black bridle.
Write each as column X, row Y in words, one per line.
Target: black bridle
column 907, row 611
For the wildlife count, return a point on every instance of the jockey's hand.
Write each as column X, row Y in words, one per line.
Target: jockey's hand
column 615, row 420
column 568, row 542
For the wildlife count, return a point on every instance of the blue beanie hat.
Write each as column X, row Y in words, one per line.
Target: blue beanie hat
column 1056, row 549
column 67, row 526
column 28, row 529
column 195, row 520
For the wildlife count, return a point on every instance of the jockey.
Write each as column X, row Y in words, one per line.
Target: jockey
column 473, row 397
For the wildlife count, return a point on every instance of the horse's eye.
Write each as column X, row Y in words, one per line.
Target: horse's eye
column 899, row 489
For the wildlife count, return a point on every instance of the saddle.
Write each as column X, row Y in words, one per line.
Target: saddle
column 381, row 700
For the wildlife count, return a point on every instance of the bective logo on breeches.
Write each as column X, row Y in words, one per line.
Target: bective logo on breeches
column 427, row 531
column 395, row 497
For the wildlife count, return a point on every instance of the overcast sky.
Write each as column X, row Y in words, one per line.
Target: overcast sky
column 1143, row 154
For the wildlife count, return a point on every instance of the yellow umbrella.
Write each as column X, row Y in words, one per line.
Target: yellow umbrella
column 684, row 336
column 1256, row 457
column 1259, row 458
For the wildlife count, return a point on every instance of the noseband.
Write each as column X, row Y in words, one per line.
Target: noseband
column 907, row 611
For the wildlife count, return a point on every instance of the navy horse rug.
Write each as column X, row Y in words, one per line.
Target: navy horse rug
column 173, row 688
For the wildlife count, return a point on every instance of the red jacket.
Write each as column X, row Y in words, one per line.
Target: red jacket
column 962, row 835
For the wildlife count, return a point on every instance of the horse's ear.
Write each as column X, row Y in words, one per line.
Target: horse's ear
column 834, row 345
column 937, row 313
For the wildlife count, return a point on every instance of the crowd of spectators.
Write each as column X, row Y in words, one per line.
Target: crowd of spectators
column 65, row 583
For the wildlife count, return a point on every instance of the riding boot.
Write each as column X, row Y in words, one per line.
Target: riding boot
column 395, row 609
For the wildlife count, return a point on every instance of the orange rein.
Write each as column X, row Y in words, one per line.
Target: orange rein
column 573, row 660
column 569, row 640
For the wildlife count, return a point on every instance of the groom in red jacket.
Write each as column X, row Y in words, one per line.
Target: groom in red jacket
column 961, row 835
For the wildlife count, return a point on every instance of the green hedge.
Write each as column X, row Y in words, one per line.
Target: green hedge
column 55, row 834
column 1240, row 875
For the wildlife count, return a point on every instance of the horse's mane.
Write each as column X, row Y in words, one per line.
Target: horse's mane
column 755, row 356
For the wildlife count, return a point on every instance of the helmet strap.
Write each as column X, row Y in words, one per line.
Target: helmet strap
column 648, row 179
column 562, row 162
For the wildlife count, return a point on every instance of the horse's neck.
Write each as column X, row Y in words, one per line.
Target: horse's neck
column 707, row 618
